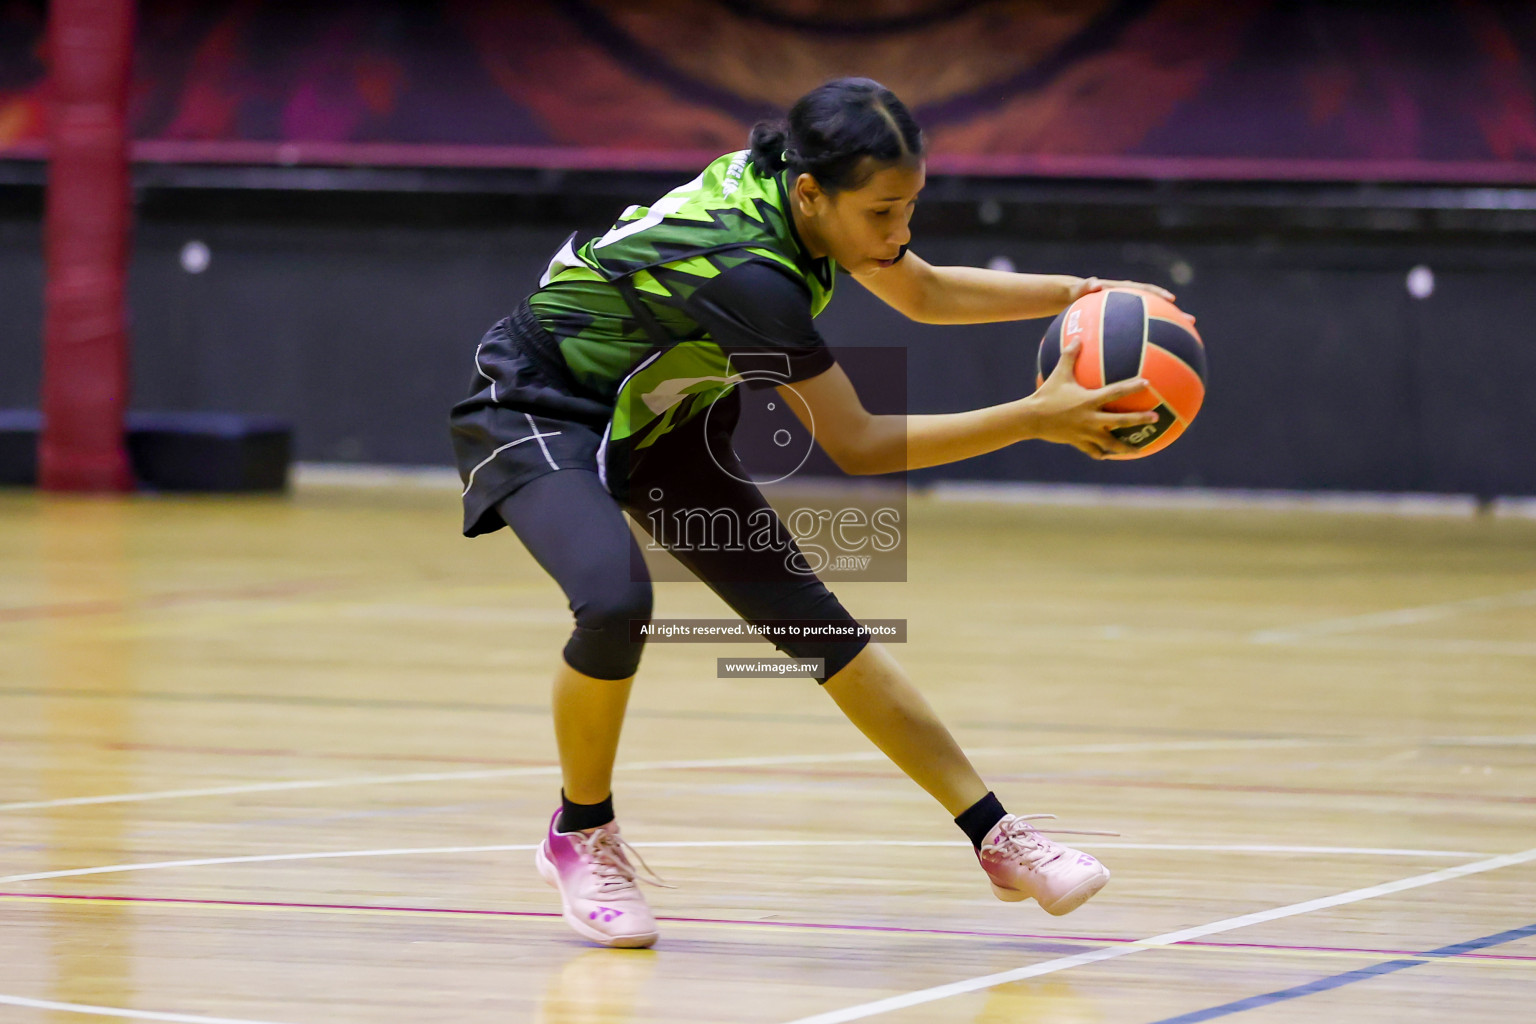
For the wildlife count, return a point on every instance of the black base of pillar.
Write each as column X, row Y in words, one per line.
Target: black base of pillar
column 172, row 451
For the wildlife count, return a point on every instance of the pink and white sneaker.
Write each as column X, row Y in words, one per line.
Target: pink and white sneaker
column 599, row 888
column 1022, row 863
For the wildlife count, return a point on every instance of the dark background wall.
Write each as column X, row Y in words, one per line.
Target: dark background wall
column 354, row 310
column 379, row 181
column 21, row 307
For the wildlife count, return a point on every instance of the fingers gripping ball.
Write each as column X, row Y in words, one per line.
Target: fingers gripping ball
column 1127, row 334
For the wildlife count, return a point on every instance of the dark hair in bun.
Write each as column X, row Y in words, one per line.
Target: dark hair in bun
column 832, row 128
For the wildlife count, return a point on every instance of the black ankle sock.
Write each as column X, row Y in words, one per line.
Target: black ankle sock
column 576, row 817
column 977, row 820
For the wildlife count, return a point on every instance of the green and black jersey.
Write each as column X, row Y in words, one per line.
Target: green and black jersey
column 634, row 334
column 707, row 289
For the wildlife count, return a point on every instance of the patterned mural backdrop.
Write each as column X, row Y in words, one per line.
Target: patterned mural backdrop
column 1240, row 87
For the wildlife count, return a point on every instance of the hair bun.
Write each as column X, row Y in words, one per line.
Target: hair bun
column 835, row 129
column 769, row 145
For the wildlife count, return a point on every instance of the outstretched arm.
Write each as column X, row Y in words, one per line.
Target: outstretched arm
column 973, row 295
column 862, row 443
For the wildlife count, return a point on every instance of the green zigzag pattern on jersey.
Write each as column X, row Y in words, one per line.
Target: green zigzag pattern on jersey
column 690, row 236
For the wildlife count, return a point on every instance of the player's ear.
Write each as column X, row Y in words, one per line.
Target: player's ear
column 807, row 192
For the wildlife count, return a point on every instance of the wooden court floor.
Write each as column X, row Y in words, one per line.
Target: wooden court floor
column 284, row 760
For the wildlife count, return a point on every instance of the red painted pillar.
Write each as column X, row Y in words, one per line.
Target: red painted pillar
column 85, row 234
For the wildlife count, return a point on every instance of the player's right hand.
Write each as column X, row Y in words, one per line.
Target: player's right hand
column 1064, row 411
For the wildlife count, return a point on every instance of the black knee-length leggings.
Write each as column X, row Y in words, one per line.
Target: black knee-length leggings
column 577, row 531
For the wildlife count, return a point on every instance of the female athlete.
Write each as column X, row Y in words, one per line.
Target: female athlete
column 613, row 389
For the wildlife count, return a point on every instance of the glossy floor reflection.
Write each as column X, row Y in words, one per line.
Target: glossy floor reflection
column 283, row 761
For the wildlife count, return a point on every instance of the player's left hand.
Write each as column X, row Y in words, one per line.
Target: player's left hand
column 1094, row 284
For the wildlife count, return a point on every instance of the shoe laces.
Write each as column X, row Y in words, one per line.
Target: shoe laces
column 608, row 851
column 1018, row 840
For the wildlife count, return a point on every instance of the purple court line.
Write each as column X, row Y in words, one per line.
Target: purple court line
column 1348, row 977
column 884, row 929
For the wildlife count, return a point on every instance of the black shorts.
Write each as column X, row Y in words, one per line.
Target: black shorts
column 689, row 493
column 524, row 417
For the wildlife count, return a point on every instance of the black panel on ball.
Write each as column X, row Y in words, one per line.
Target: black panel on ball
column 1050, row 347
column 1172, row 338
column 1125, row 318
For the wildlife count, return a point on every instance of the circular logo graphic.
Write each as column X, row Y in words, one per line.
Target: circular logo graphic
column 769, row 443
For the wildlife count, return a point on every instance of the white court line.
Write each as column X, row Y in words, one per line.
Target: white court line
column 1351, row 851
column 388, row 780
column 266, row 858
column 1395, row 617
column 263, row 858
column 750, row 762
column 929, row 995
column 1091, row 844
column 943, row 991
column 273, row 787
column 112, row 1011
column 727, row 762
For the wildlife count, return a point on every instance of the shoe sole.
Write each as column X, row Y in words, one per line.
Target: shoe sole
column 549, row 874
column 1066, row 904
column 1077, row 897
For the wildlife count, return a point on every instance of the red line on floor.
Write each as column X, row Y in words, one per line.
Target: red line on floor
column 888, row 929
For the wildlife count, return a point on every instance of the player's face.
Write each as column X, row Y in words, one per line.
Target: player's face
column 865, row 228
